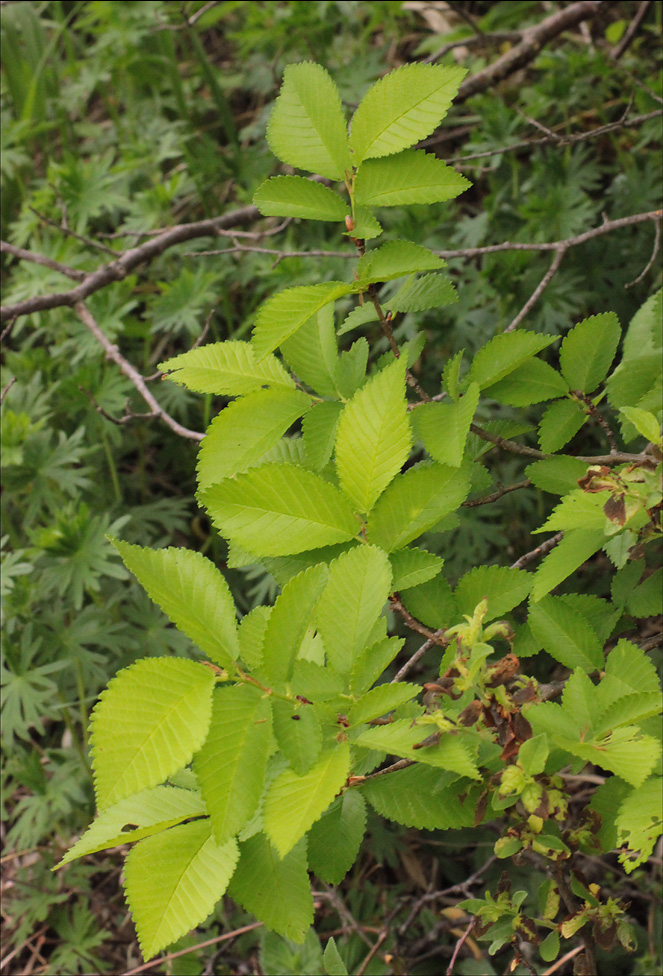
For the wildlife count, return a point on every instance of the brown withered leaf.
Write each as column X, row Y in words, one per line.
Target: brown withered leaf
column 615, row 509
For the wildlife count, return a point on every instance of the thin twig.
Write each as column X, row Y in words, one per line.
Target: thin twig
column 24, row 255
column 418, row 654
column 621, row 457
column 131, row 373
column 539, row 290
column 599, row 418
column 436, row 636
column 562, row 960
column 630, row 31
column 654, row 254
column 201, row 945
column 477, row 40
column 499, row 493
column 401, row 764
column 539, row 551
column 6, row 389
column 344, row 913
column 459, row 945
column 68, row 232
column 281, row 255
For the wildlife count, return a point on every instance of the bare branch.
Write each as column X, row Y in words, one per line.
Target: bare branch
column 63, row 269
column 630, row 31
column 194, row 948
column 539, row 290
column 499, row 493
column 539, row 551
column 620, row 457
column 432, row 641
column 654, row 254
column 129, row 371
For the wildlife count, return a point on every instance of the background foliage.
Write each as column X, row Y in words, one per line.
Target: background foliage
column 123, row 118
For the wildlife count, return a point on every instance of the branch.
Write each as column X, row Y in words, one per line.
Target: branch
column 63, row 269
column 539, row 290
column 619, row 457
column 194, row 948
column 128, row 260
column 112, row 352
column 534, row 38
column 631, row 31
column 539, row 551
column 432, row 641
column 499, row 493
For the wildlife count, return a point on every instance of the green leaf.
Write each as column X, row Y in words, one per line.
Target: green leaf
column 147, row 813
column 351, row 368
column 644, row 332
column 413, row 176
column 636, row 383
column 504, row 589
column 293, row 802
column 312, row 352
column 279, row 509
column 432, row 603
column 290, row 620
column 252, row 634
column 560, row 422
column 319, row 432
column 231, row 765
column 557, row 475
column 315, row 682
column 419, row 294
column 239, row 436
column 577, row 510
column 549, row 948
column 359, row 584
column 193, row 594
column 193, row 872
column 533, row 754
column 135, row 748
column 378, row 701
column 360, row 315
column 415, row 502
column 295, row 196
column 532, row 382
column 628, row 670
column 443, row 427
column 372, row 662
column 640, row 822
column 646, row 600
column 394, row 260
column 565, row 634
column 422, row 797
column 374, row 437
column 588, row 351
column 568, row 555
column 334, row 840
column 307, row 128
column 625, row 751
column 410, row 567
column 284, row 313
column 334, row 965
column 366, row 227
column 451, row 374
column 276, row 890
column 400, row 737
column 504, row 354
column 644, row 422
column 298, row 733
column 226, row 368
column 402, row 109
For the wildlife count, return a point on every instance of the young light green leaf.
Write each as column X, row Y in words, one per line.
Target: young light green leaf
column 312, row 352
column 279, row 509
column 334, row 839
column 568, row 555
column 295, row 196
column 359, row 584
column 504, row 354
column 402, row 109
column 192, row 592
column 290, row 620
column 640, row 821
column 413, row 176
column 416, row 502
column 644, row 422
column 401, row 737
column 293, row 803
column 360, row 315
column 351, row 368
column 251, row 633
column 231, row 765
column 298, row 733
column 378, row 701
column 588, row 351
column 134, row 748
column 419, row 294
column 532, row 382
column 243, row 431
column 443, row 427
column 392, row 260
column 284, row 313
column 366, row 227
column 577, row 510
column 276, row 890
column 374, row 437
column 565, row 634
column 625, row 751
column 370, row 664
column 307, row 128
column 226, row 368
column 193, row 873
column 319, row 432
column 147, row 813
column 421, row 796
column 560, row 422
column 451, row 373
column 410, row 567
column 504, row 589
column 316, row 682
column 533, row 754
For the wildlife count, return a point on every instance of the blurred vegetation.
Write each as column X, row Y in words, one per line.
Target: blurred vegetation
column 122, row 118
